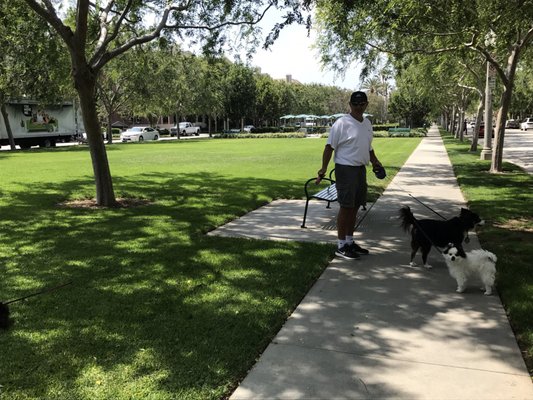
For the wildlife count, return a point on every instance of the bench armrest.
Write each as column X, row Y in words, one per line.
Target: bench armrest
column 307, row 196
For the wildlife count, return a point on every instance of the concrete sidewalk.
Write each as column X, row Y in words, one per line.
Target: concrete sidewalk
column 376, row 328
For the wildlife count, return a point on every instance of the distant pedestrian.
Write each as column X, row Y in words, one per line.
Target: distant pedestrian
column 350, row 139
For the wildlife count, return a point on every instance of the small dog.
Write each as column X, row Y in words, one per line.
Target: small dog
column 481, row 263
column 426, row 233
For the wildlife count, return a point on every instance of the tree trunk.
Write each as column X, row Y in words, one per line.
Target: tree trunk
column 452, row 121
column 109, row 129
column 460, row 125
column 479, row 116
column 445, row 119
column 8, row 126
column 86, row 88
column 178, row 120
column 497, row 153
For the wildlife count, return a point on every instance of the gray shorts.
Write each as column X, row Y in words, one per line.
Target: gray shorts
column 351, row 185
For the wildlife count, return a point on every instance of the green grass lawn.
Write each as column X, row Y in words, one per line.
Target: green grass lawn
column 505, row 201
column 156, row 308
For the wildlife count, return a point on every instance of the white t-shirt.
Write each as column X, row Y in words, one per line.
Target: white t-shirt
column 351, row 140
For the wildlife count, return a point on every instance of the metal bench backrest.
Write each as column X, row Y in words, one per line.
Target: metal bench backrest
column 327, row 194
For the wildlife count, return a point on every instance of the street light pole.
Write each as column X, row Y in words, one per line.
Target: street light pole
column 490, row 82
column 486, row 153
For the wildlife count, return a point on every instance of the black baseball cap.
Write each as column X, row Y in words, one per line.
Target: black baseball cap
column 358, row 97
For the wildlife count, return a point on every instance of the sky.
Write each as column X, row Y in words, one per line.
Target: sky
column 292, row 54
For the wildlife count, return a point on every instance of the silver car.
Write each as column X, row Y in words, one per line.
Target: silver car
column 139, row 134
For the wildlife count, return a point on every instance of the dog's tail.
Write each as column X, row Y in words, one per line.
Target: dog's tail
column 407, row 218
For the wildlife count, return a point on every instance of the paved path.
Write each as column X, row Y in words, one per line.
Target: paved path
column 379, row 329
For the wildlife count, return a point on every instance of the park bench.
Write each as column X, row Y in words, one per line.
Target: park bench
column 231, row 131
column 328, row 193
column 394, row 132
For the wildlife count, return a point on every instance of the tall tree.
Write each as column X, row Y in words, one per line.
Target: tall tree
column 116, row 85
column 241, row 93
column 103, row 31
column 268, row 102
column 215, row 89
column 500, row 31
column 31, row 62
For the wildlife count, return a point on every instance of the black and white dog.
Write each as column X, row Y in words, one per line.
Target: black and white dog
column 480, row 263
column 426, row 233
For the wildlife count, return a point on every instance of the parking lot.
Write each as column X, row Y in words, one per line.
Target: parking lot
column 518, row 147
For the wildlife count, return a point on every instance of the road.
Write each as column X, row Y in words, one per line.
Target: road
column 517, row 149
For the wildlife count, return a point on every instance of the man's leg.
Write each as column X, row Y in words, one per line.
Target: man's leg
column 349, row 236
column 345, row 223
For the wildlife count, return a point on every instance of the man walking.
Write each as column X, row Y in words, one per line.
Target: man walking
column 350, row 138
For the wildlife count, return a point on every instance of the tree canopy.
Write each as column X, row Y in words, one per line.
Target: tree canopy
column 95, row 34
column 498, row 31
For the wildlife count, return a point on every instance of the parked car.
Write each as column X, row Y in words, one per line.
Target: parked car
column 162, row 131
column 512, row 124
column 248, row 128
column 481, row 130
column 185, row 128
column 139, row 134
column 82, row 137
column 526, row 124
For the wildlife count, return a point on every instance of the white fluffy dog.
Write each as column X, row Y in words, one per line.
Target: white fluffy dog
column 481, row 263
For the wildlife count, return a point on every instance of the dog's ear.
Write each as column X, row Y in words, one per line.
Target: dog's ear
column 461, row 252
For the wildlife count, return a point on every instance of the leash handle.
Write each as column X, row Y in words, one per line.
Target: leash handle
column 37, row 293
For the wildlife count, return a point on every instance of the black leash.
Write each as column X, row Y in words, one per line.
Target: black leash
column 47, row 290
column 420, row 202
column 416, row 222
column 5, row 321
column 417, row 225
column 391, row 180
column 364, row 215
column 467, row 238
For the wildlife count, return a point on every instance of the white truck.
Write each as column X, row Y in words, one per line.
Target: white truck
column 35, row 125
column 185, row 128
column 526, row 124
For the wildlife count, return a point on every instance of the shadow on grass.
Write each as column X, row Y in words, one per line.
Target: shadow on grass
column 186, row 312
column 505, row 201
column 155, row 306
